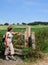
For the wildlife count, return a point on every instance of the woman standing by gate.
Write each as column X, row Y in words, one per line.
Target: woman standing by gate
column 8, row 43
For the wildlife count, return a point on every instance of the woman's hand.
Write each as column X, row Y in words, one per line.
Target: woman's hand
column 16, row 33
column 7, row 45
column 20, row 33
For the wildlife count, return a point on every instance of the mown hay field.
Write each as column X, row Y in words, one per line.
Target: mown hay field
column 23, row 26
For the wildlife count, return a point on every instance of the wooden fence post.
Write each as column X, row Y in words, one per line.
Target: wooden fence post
column 29, row 38
column 27, row 35
column 33, row 40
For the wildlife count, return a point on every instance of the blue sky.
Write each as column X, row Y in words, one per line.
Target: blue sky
column 18, row 11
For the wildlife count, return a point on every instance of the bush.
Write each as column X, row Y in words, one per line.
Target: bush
column 41, row 38
column 2, row 47
column 31, row 54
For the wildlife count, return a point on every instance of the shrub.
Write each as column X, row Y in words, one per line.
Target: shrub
column 31, row 54
column 1, row 47
column 41, row 38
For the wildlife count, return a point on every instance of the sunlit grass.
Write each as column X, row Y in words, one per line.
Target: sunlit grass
column 23, row 26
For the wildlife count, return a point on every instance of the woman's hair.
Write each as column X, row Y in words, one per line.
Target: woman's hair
column 9, row 28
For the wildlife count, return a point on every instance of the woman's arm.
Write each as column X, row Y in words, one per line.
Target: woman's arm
column 16, row 33
column 6, row 40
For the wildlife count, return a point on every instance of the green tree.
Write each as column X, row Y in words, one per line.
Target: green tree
column 6, row 24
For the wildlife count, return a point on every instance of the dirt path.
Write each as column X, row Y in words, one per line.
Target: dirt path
column 11, row 62
column 19, row 61
column 43, row 61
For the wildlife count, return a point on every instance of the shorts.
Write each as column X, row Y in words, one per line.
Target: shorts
column 9, row 49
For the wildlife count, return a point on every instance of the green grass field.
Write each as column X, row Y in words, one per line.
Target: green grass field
column 40, row 30
column 41, row 37
column 22, row 28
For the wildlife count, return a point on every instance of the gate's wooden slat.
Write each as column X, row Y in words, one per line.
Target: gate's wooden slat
column 18, row 50
column 19, row 46
column 18, row 53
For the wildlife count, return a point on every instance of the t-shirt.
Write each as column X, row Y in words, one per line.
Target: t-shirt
column 9, row 39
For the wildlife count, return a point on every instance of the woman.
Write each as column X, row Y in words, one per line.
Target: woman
column 8, row 43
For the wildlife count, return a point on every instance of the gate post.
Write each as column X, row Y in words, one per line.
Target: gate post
column 33, row 40
column 29, row 38
column 27, row 35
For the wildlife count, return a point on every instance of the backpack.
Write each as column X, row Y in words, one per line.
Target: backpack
column 3, row 39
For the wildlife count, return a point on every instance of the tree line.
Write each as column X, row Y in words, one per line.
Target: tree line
column 32, row 23
column 38, row 23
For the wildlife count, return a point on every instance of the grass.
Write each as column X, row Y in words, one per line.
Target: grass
column 22, row 28
column 45, row 50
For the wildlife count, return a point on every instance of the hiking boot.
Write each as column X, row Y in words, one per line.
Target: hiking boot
column 6, row 58
column 12, row 58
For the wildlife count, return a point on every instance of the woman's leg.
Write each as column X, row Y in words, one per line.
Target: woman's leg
column 12, row 51
column 6, row 53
